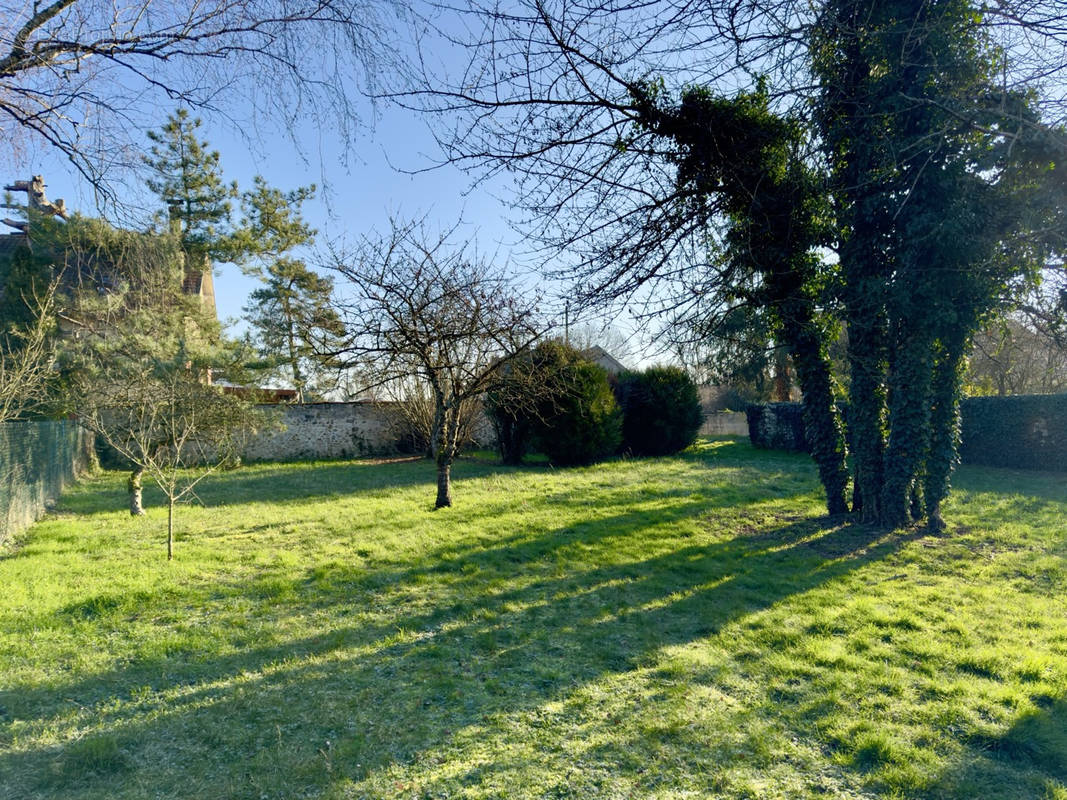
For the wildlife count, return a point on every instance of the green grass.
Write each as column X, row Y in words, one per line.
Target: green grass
column 675, row 628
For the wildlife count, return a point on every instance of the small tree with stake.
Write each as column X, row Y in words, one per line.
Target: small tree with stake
column 422, row 309
column 162, row 415
column 138, row 360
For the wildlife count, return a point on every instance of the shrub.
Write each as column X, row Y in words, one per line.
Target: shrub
column 579, row 421
column 661, row 410
column 558, row 402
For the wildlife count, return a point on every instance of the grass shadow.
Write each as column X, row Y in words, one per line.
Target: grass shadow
column 1034, row 746
column 506, row 633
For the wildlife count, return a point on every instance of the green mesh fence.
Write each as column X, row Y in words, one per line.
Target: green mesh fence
column 37, row 459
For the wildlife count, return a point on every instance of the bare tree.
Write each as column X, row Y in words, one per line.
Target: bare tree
column 159, row 412
column 82, row 75
column 544, row 99
column 420, row 309
column 26, row 359
column 142, row 384
column 1016, row 357
column 411, row 406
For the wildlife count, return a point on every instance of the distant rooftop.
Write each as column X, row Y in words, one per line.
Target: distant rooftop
column 598, row 355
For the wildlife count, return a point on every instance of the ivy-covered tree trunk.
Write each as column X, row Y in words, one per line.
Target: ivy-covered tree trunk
column 135, row 485
column 867, row 400
column 822, row 418
column 943, row 451
column 739, row 152
column 847, row 117
column 909, row 422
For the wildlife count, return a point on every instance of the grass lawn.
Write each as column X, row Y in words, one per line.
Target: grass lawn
column 686, row 627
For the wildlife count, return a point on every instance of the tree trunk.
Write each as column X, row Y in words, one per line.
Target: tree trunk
column 170, row 528
column 866, row 414
column 909, row 421
column 294, row 360
column 444, row 485
column 135, row 486
column 783, row 382
column 822, row 420
column 443, row 454
column 943, row 452
column 847, row 117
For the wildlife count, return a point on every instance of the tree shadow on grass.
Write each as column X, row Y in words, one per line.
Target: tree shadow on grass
column 278, row 484
column 1027, row 760
column 510, row 627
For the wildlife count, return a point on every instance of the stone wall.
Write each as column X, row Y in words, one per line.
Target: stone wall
column 37, row 461
column 325, row 431
column 313, row 431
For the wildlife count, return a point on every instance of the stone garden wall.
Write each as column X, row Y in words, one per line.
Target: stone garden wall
column 310, row 431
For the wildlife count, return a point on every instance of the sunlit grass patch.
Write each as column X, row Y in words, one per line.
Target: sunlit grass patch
column 672, row 628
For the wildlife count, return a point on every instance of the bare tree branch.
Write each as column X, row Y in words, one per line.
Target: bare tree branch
column 83, row 76
column 27, row 357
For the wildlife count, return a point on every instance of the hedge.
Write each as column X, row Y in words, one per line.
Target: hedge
column 1022, row 432
column 1018, row 432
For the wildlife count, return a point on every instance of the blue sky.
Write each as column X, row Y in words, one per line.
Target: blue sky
column 360, row 190
column 363, row 183
column 363, row 187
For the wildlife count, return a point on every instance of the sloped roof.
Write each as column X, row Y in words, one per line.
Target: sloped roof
column 598, row 355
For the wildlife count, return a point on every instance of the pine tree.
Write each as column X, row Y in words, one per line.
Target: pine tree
column 292, row 313
column 293, row 318
column 188, row 179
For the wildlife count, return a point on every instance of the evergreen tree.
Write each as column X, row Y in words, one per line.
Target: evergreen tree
column 292, row 313
column 661, row 410
column 294, row 321
column 188, row 179
column 555, row 400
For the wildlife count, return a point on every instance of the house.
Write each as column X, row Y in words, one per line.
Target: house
column 598, row 355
